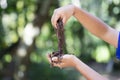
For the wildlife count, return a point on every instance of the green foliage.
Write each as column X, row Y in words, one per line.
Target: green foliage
column 19, row 13
column 43, row 71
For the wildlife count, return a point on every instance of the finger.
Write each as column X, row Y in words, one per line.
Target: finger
column 54, row 18
column 57, row 16
column 48, row 57
column 62, row 65
column 64, row 20
column 55, row 59
column 57, row 65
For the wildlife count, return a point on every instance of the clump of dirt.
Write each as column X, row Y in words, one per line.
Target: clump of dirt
column 60, row 35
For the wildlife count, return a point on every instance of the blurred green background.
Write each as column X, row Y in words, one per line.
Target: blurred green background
column 27, row 36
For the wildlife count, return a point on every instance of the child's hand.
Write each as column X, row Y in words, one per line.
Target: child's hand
column 66, row 61
column 64, row 13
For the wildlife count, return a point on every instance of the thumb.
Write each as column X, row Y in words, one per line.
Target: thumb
column 55, row 59
column 64, row 20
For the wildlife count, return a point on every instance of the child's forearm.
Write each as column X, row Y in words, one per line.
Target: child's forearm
column 96, row 26
column 87, row 72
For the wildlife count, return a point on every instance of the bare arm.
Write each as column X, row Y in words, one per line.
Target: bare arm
column 96, row 26
column 73, row 61
column 88, row 72
column 90, row 22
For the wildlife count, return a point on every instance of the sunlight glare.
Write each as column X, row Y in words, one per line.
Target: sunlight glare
column 21, row 51
column 76, row 2
column 29, row 33
column 3, row 4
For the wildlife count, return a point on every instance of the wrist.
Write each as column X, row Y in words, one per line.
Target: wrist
column 76, row 10
column 75, row 61
column 73, row 9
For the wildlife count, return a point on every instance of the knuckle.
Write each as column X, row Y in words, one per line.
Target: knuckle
column 55, row 11
column 52, row 19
